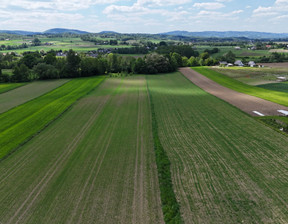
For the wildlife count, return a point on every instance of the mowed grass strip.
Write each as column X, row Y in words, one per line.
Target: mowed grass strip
column 5, row 87
column 274, row 96
column 28, row 92
column 21, row 123
column 95, row 164
column 226, row 167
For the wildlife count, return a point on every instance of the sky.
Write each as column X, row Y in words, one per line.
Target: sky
column 145, row 16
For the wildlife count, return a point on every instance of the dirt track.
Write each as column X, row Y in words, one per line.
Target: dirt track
column 243, row 101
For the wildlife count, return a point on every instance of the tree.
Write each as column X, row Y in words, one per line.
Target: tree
column 50, row 58
column 178, row 58
column 71, row 68
column 21, row 73
column 46, row 71
column 36, row 42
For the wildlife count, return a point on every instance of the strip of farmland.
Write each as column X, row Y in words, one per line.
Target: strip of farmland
column 247, row 103
column 28, row 92
column 5, row 87
column 273, row 96
column 226, row 167
column 21, row 123
column 95, row 164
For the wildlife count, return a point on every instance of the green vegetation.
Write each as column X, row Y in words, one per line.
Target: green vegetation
column 28, row 92
column 4, row 87
column 170, row 206
column 253, row 76
column 274, row 96
column 281, row 87
column 226, row 167
column 21, row 123
column 95, row 164
column 276, row 122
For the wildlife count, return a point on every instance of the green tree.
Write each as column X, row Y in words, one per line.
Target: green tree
column 36, row 42
column 71, row 68
column 21, row 73
column 46, row 71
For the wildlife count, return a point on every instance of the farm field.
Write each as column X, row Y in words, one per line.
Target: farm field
column 274, row 96
column 253, row 76
column 226, row 166
column 282, row 87
column 5, row 87
column 28, row 92
column 21, row 123
column 95, row 164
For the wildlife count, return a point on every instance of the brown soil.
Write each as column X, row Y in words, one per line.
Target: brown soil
column 276, row 65
column 243, row 101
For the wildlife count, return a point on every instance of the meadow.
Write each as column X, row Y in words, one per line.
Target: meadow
column 270, row 95
column 23, row 122
column 95, row 164
column 226, row 167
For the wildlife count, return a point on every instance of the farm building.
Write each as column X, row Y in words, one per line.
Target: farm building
column 238, row 63
column 229, row 65
column 281, row 79
column 251, row 64
column 237, row 48
column 223, row 63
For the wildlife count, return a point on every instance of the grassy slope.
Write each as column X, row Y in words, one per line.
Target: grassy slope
column 5, row 87
column 28, row 92
column 95, row 164
column 226, row 167
column 281, row 87
column 21, row 123
column 274, row 96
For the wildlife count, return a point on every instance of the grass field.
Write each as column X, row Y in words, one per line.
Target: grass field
column 274, row 96
column 95, row 164
column 28, row 92
column 5, row 87
column 226, row 166
column 282, row 87
column 21, row 123
column 253, row 76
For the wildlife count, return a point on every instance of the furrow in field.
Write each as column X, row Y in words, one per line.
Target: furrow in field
column 81, row 169
column 226, row 167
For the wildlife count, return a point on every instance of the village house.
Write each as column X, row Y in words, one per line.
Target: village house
column 251, row 64
column 238, row 63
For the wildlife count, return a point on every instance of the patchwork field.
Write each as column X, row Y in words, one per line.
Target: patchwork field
column 226, row 166
column 281, row 87
column 250, row 104
column 28, row 92
column 95, row 164
column 23, row 122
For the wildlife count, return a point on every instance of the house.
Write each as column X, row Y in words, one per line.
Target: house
column 239, row 63
column 223, row 63
column 229, row 65
column 251, row 64
column 237, row 48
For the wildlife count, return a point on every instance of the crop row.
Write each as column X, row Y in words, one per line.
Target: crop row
column 21, row 123
column 6, row 87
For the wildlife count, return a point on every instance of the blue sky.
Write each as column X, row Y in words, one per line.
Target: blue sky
column 145, row 16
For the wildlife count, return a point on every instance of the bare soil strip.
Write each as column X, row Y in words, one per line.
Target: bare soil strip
column 26, row 93
column 243, row 101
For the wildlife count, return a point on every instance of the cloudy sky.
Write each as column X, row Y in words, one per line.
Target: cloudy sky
column 145, row 16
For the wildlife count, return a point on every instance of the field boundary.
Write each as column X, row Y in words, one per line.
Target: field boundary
column 170, row 205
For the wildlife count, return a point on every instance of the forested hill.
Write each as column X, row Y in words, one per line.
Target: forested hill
column 225, row 34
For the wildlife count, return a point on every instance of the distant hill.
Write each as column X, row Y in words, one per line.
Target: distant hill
column 226, row 34
column 19, row 32
column 61, row 30
column 104, row 32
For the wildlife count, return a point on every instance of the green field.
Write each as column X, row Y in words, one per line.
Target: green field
column 226, row 166
column 28, row 92
column 281, row 87
column 95, row 164
column 5, row 87
column 22, row 122
column 274, row 96
column 253, row 76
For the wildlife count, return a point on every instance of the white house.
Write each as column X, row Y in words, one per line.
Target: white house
column 239, row 63
column 251, row 63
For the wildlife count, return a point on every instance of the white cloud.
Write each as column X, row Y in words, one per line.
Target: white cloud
column 209, row 5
